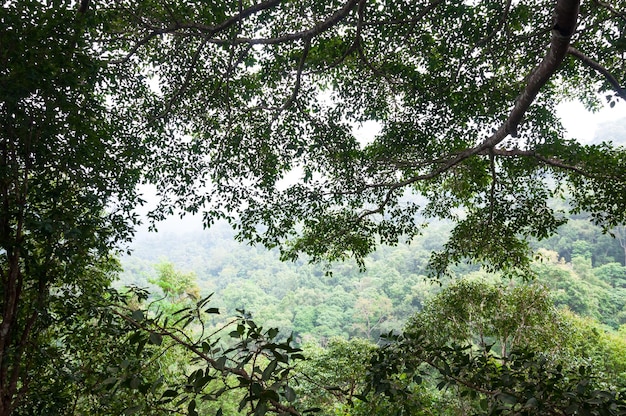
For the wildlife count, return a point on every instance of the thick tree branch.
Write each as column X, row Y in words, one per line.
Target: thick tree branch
column 602, row 70
column 566, row 17
column 206, row 30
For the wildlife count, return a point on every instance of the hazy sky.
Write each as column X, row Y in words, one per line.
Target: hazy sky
column 582, row 125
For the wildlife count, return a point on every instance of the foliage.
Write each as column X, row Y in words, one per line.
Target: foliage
column 265, row 101
column 238, row 357
column 484, row 314
column 573, row 373
column 175, row 284
column 250, row 111
column 332, row 377
column 300, row 297
column 67, row 190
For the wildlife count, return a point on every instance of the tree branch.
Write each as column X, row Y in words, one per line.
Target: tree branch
column 548, row 161
column 207, row 30
column 566, row 17
column 602, row 70
column 501, row 22
column 296, row 87
column 610, row 8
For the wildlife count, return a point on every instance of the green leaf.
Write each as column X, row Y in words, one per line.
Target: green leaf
column 170, row 393
column 290, row 394
column 269, row 370
column 261, row 409
column 138, row 315
column 507, row 398
column 191, row 408
column 155, row 339
column 220, row 364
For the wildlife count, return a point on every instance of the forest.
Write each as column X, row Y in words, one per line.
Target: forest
column 390, row 215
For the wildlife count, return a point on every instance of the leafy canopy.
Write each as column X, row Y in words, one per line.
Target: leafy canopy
column 258, row 108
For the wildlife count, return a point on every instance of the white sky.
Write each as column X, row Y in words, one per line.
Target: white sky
column 582, row 125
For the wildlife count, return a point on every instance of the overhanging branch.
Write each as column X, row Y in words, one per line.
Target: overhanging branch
column 601, row 69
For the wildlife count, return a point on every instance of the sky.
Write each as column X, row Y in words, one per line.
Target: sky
column 583, row 125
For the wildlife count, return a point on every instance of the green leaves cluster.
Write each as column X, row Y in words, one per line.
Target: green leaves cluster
column 536, row 376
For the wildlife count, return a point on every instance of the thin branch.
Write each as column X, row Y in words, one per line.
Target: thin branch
column 554, row 162
column 602, row 70
column 467, row 384
column 611, row 9
column 137, row 45
column 207, row 30
column 183, row 87
column 317, row 29
column 296, row 87
column 413, row 20
column 189, row 346
column 499, row 26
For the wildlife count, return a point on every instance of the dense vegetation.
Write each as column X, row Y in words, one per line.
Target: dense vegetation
column 571, row 314
column 253, row 112
column 305, row 299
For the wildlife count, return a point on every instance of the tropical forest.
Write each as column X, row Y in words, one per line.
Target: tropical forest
column 314, row 207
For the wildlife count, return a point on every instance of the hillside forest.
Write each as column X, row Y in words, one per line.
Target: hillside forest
column 571, row 309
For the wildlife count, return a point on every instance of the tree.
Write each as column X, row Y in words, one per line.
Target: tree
column 620, row 234
column 67, row 185
column 475, row 312
column 554, row 363
column 265, row 100
column 251, row 93
column 175, row 284
column 370, row 313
